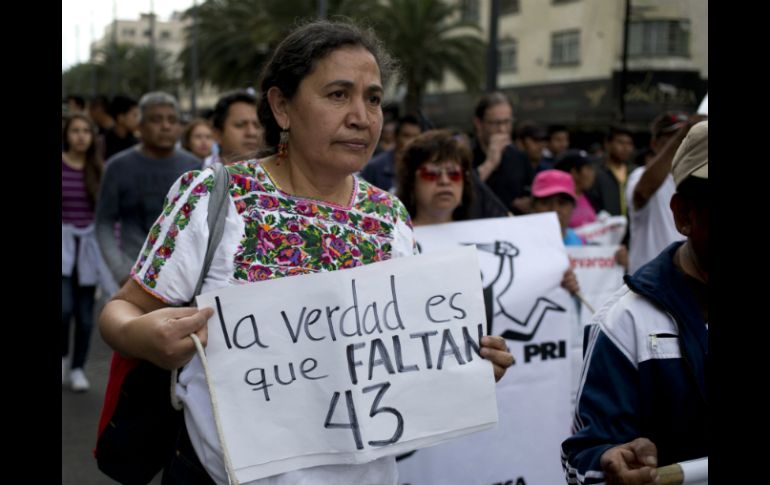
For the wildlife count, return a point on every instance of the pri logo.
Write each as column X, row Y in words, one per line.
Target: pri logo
column 522, row 325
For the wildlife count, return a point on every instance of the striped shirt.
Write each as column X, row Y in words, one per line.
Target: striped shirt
column 75, row 206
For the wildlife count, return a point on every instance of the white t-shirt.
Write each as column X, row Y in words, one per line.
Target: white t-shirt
column 268, row 234
column 652, row 227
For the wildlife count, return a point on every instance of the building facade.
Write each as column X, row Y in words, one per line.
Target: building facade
column 169, row 36
column 560, row 61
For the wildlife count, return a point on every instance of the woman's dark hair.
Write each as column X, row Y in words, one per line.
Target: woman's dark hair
column 434, row 146
column 92, row 171
column 297, row 55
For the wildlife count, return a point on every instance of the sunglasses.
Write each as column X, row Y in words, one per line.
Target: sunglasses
column 432, row 174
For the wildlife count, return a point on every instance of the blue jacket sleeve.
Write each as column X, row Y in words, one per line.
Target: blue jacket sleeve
column 607, row 411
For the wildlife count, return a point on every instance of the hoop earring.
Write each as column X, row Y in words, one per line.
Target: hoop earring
column 283, row 147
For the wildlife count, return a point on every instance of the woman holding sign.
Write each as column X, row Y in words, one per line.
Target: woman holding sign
column 301, row 210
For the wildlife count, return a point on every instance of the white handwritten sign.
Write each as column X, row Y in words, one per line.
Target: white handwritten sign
column 523, row 261
column 350, row 366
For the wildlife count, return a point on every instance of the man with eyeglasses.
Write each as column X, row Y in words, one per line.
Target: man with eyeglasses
column 136, row 181
column 505, row 169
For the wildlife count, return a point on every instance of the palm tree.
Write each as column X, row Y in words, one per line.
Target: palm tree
column 132, row 66
column 236, row 37
column 233, row 41
column 429, row 39
column 134, row 70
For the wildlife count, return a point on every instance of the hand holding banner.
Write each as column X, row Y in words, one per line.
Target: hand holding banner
column 350, row 366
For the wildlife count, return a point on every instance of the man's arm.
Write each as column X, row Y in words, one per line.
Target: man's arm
column 660, row 166
column 107, row 214
column 607, row 401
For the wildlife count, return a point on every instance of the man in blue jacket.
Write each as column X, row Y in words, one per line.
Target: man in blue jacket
column 643, row 395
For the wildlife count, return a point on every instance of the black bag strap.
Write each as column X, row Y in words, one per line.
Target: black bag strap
column 216, row 218
column 217, row 214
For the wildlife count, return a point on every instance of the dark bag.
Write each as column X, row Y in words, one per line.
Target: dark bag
column 139, row 427
column 138, row 439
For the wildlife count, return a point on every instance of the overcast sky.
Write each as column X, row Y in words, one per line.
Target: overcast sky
column 83, row 21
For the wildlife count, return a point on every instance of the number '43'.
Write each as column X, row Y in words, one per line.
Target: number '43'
column 353, row 423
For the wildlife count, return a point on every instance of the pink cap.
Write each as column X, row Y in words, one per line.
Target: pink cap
column 551, row 182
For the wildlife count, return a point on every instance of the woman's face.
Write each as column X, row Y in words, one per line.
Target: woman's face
column 335, row 118
column 201, row 141
column 79, row 136
column 438, row 188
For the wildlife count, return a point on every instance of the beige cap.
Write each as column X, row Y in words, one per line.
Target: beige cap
column 692, row 157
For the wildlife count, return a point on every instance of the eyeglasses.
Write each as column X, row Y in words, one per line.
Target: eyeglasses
column 433, row 173
column 503, row 122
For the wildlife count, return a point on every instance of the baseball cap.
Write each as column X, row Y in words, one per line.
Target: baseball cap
column 551, row 182
column 692, row 157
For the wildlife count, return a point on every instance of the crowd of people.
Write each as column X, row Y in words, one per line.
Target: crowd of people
column 136, row 178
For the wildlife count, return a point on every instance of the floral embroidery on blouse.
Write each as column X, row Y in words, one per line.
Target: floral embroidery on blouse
column 288, row 235
column 184, row 183
column 282, row 235
column 181, row 220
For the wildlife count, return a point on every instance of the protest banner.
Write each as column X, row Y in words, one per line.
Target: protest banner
column 349, row 366
column 522, row 260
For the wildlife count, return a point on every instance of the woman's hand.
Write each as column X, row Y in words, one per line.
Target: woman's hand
column 163, row 336
column 493, row 349
column 138, row 325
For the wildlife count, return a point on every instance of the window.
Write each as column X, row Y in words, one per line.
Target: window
column 165, row 35
column 558, row 2
column 147, row 33
column 469, row 10
column 508, row 55
column 565, row 48
column 659, row 38
column 509, row 7
column 128, row 32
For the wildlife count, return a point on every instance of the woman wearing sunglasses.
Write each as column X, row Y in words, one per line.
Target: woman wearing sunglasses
column 433, row 181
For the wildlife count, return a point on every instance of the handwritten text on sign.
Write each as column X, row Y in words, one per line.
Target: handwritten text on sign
column 349, row 366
